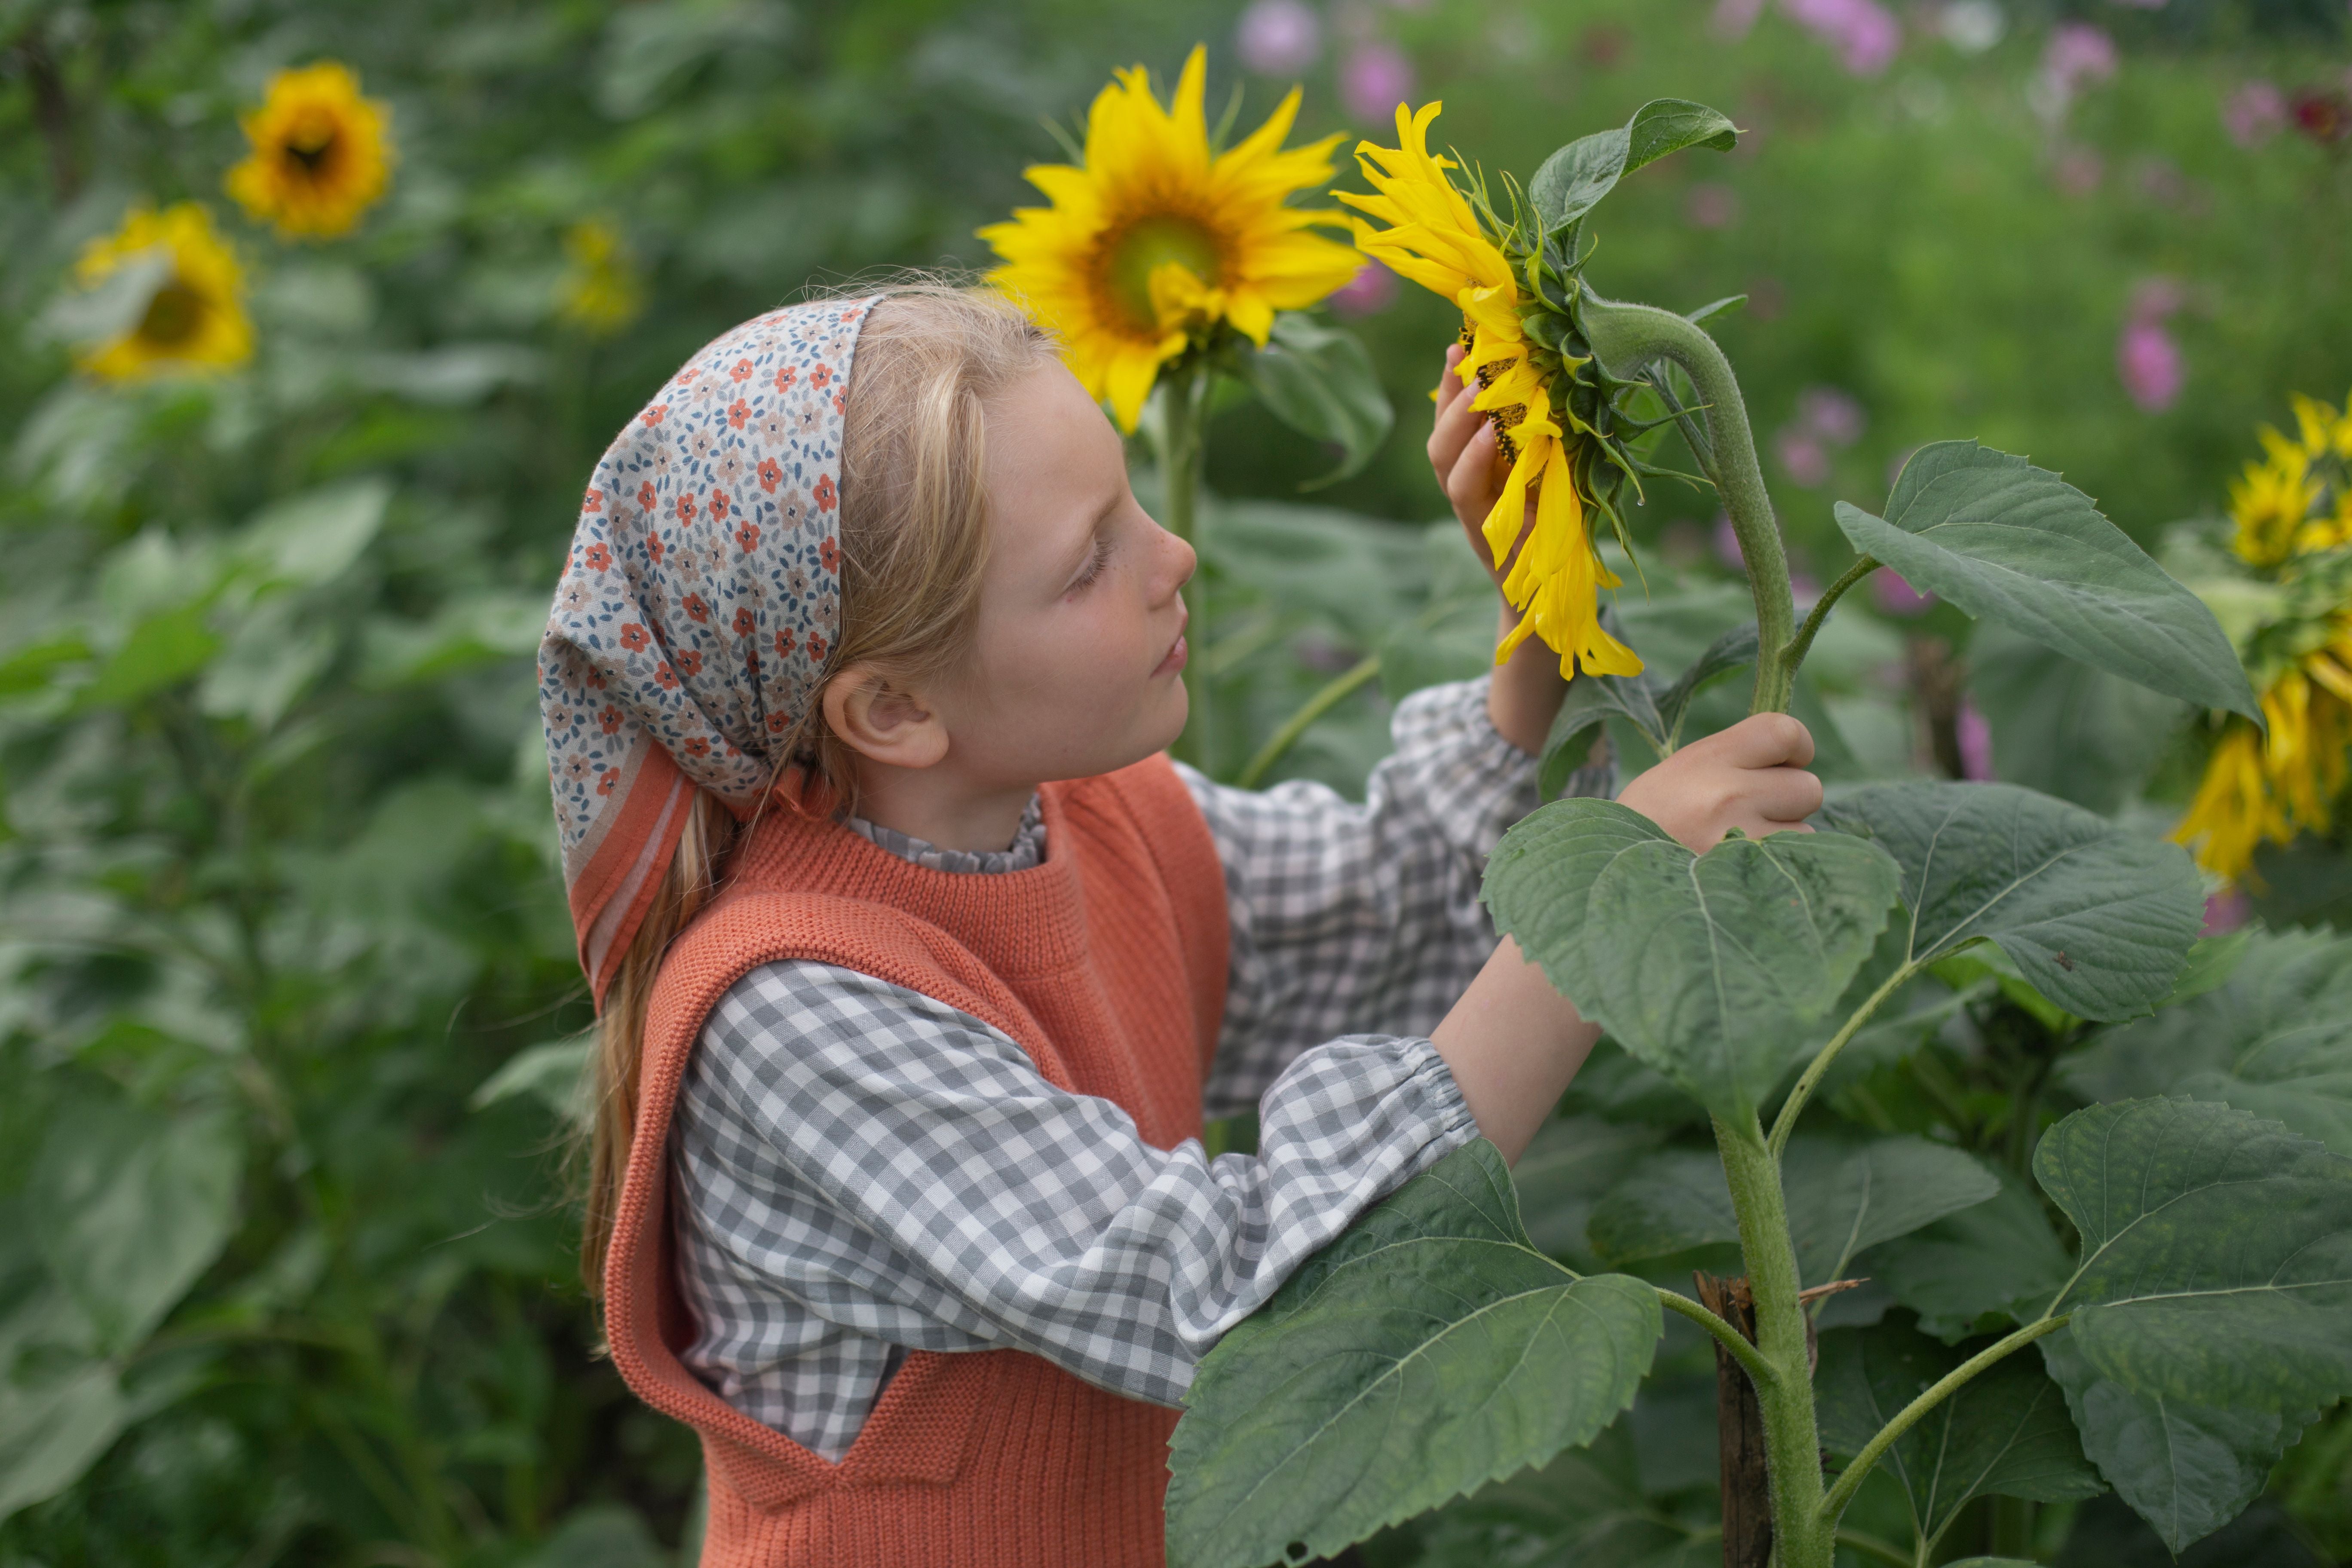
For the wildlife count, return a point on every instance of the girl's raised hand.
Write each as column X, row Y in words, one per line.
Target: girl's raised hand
column 1462, row 452
column 1752, row 776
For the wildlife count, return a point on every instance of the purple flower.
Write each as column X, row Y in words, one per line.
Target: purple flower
column 2149, row 364
column 1866, row 34
column 1976, row 743
column 1373, row 79
column 1803, row 456
column 1277, row 38
column 2077, row 54
column 1372, row 289
column 1897, row 597
column 2225, row 912
column 1727, row 544
column 1734, row 18
column 2254, row 114
column 1710, row 205
column 1832, row 414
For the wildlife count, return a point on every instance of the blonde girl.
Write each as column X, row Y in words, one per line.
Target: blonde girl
column 918, row 963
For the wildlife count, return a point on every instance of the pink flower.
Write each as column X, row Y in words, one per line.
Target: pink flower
column 1727, row 544
column 1895, row 596
column 1373, row 79
column 1734, row 18
column 2225, row 912
column 2077, row 54
column 2254, row 114
column 1865, row 33
column 1976, row 743
column 1372, row 289
column 2148, row 362
column 1277, row 38
column 1832, row 414
column 1710, row 205
column 1802, row 454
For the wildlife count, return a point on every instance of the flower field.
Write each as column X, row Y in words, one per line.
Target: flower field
column 1967, row 377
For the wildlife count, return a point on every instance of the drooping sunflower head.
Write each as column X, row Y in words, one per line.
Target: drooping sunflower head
column 600, row 291
column 321, row 153
column 185, row 306
column 2297, row 499
column 1158, row 241
column 1555, row 415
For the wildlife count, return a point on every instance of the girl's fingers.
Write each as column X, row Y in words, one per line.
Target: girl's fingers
column 1762, row 740
column 1470, row 486
column 1784, row 796
column 1455, row 422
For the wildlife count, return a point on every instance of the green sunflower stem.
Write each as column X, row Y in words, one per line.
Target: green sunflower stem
column 1176, row 439
column 1629, row 337
column 1802, row 1536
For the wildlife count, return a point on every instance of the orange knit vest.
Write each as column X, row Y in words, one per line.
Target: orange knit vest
column 1107, row 963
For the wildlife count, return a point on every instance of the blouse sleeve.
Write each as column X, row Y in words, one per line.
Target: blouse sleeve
column 859, row 1160
column 1362, row 918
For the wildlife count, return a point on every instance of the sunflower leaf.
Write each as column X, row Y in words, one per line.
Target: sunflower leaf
column 1714, row 969
column 2097, row 920
column 1320, row 382
column 2011, row 542
column 1572, row 180
column 1428, row 1350
column 2006, row 1431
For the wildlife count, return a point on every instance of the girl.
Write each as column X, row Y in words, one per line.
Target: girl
column 918, row 964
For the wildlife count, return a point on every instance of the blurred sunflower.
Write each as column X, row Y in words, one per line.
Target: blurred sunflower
column 1157, row 241
column 1435, row 238
column 600, row 291
column 322, row 155
column 2292, row 512
column 187, row 308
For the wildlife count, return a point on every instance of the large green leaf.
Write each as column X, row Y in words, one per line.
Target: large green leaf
column 2275, row 1039
column 2096, row 919
column 129, row 1206
column 1429, row 1349
column 1572, row 180
column 2011, row 542
column 2005, row 1431
column 2188, row 1470
column 1570, row 1166
column 1714, row 969
column 1969, row 1271
column 54, row 1424
column 2065, row 728
column 2216, row 1263
column 1319, row 381
column 1842, row 1194
column 1588, row 1505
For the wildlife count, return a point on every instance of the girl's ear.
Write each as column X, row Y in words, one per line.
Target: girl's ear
column 882, row 722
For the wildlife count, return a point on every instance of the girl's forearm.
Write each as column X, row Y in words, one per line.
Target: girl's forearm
column 1526, row 690
column 1513, row 1043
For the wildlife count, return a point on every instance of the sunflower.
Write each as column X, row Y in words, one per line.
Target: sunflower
column 1157, row 241
column 2292, row 512
column 600, row 290
column 193, row 316
column 1434, row 237
column 320, row 153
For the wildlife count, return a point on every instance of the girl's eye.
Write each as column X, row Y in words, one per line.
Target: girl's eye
column 1093, row 564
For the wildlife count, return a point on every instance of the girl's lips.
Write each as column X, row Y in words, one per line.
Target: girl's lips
column 1177, row 652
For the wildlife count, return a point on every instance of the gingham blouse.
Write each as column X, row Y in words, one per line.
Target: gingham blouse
column 863, row 1171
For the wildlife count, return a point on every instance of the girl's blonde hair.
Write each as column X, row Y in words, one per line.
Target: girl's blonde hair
column 914, row 540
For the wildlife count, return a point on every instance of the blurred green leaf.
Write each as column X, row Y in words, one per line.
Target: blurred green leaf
column 161, row 651
column 1319, row 381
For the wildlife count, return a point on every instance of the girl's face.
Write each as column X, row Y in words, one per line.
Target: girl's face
column 1077, row 667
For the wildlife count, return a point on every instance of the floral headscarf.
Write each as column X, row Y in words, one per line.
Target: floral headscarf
column 700, row 600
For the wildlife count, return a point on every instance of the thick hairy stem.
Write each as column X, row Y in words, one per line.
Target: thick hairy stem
column 1793, row 655
column 1802, row 1536
column 1628, row 337
column 1786, row 1122
column 1849, row 1480
column 1176, row 434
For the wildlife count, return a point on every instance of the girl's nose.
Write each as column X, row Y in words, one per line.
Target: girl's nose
column 1180, row 562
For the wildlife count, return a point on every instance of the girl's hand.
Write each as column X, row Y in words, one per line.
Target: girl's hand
column 1752, row 776
column 1462, row 452
column 1525, row 692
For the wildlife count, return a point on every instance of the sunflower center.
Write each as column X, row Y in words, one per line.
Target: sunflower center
column 1146, row 245
column 173, row 315
column 311, row 143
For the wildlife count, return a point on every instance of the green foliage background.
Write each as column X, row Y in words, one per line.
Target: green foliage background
column 277, row 896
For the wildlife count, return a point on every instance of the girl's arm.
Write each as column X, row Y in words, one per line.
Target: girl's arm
column 860, row 1166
